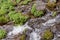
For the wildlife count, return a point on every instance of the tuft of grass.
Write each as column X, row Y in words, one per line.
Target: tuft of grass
column 35, row 12
column 48, row 35
column 17, row 18
column 3, row 34
column 3, row 20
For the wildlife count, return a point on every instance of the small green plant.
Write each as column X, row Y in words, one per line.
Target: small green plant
column 25, row 1
column 3, row 12
column 17, row 1
column 51, row 5
column 22, row 37
column 17, row 18
column 3, row 20
column 35, row 12
column 3, row 34
column 54, row 13
column 48, row 35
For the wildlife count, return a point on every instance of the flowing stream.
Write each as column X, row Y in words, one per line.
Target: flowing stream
column 35, row 34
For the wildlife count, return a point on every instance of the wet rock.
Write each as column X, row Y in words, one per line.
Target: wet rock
column 24, row 9
column 8, row 28
column 40, row 5
column 16, row 37
column 35, row 23
column 56, row 39
column 58, row 7
column 45, row 1
column 34, row 36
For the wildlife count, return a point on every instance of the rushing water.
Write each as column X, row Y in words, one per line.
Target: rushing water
column 34, row 35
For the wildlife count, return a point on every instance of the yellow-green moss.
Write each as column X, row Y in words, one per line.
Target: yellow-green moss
column 23, row 37
column 3, row 33
column 54, row 13
column 48, row 35
column 17, row 18
column 25, row 2
column 3, row 20
column 51, row 5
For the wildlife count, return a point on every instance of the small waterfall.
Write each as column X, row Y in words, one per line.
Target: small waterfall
column 19, row 29
column 34, row 36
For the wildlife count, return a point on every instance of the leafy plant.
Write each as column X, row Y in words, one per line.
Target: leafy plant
column 3, row 33
column 25, row 1
column 3, row 20
column 54, row 13
column 17, row 1
column 3, row 11
column 18, row 18
column 51, row 5
column 22, row 37
column 48, row 35
column 35, row 12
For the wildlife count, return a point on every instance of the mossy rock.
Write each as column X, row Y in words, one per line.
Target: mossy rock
column 48, row 35
column 3, row 34
column 3, row 20
column 35, row 12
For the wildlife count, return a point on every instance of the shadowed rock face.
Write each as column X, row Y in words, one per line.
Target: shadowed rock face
column 45, row 1
column 58, row 27
column 40, row 5
column 34, row 23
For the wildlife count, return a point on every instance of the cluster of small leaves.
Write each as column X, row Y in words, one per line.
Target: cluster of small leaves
column 17, row 18
column 5, row 7
column 48, row 35
column 51, row 5
column 35, row 12
column 54, row 13
column 25, row 1
column 3, row 19
column 3, row 34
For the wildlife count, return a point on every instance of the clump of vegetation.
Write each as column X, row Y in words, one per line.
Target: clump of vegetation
column 54, row 13
column 35, row 12
column 3, row 33
column 25, row 1
column 17, row 18
column 3, row 20
column 48, row 35
column 3, row 11
column 51, row 5
column 17, row 1
column 22, row 37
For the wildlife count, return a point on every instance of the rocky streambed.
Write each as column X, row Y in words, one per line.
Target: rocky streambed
column 34, row 29
column 30, row 20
